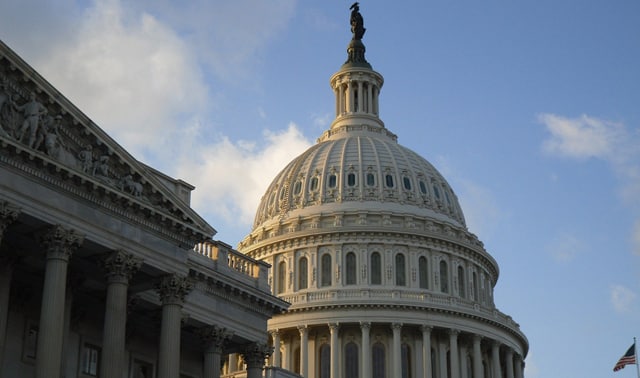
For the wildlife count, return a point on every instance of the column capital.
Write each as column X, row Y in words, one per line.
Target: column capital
column 426, row 328
column 214, row 338
column 254, row 354
column 365, row 325
column 303, row 329
column 395, row 326
column 61, row 242
column 8, row 214
column 454, row 332
column 334, row 326
column 173, row 289
column 120, row 266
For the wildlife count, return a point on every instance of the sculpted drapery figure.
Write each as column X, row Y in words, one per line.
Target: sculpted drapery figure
column 357, row 22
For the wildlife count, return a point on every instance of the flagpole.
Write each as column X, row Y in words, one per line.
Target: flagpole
column 635, row 347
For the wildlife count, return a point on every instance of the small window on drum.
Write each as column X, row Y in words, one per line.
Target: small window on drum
column 297, row 188
column 371, row 179
column 333, row 181
column 423, row 187
column 388, row 180
column 406, row 182
column 351, row 179
column 313, row 185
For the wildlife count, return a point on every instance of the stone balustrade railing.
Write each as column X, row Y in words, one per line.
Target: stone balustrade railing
column 230, row 261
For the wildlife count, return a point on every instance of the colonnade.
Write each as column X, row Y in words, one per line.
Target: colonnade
column 437, row 352
column 59, row 244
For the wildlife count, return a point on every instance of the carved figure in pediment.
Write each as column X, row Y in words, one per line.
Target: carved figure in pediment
column 53, row 142
column 8, row 114
column 101, row 169
column 86, row 159
column 32, row 111
column 130, row 186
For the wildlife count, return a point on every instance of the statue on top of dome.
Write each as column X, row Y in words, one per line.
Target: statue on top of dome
column 357, row 22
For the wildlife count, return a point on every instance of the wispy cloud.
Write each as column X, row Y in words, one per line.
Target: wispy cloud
column 590, row 137
column 565, row 248
column 622, row 298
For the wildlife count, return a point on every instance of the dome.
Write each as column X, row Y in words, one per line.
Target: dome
column 368, row 242
column 356, row 169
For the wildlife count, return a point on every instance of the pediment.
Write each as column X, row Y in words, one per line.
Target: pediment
column 43, row 134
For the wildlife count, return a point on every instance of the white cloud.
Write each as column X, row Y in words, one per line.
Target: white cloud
column 622, row 298
column 232, row 177
column 531, row 367
column 581, row 137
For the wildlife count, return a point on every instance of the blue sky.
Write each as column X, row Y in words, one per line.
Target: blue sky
column 531, row 110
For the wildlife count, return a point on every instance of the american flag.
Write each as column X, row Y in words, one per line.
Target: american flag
column 629, row 358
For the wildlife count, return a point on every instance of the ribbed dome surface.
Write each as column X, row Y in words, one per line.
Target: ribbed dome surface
column 359, row 168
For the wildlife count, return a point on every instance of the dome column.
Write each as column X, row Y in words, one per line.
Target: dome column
column 275, row 335
column 509, row 362
column 519, row 366
column 477, row 357
column 365, row 328
column 442, row 360
column 495, row 359
column 360, row 96
column 454, row 353
column 304, row 350
column 426, row 351
column 335, row 350
column 397, row 352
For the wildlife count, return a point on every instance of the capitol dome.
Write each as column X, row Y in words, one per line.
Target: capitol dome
column 369, row 244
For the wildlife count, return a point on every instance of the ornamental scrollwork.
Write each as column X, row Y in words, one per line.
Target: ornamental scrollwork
column 173, row 289
column 61, row 242
column 120, row 265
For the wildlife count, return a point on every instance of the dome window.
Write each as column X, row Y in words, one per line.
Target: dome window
column 423, row 187
column 401, row 277
column 297, row 188
column 376, row 269
column 444, row 277
column 303, row 271
column 406, row 181
column 351, row 180
column 313, row 185
column 371, row 179
column 333, row 181
column 436, row 192
column 388, row 180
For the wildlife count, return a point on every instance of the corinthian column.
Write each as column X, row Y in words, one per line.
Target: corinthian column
column 172, row 290
column 426, row 351
column 397, row 352
column 454, row 353
column 365, row 328
column 277, row 357
column 119, row 268
column 254, row 356
column 59, row 243
column 8, row 215
column 508, row 361
column 214, row 339
column 335, row 350
column 477, row 357
column 304, row 350
column 495, row 358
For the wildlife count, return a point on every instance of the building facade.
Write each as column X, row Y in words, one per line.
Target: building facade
column 105, row 270
column 368, row 243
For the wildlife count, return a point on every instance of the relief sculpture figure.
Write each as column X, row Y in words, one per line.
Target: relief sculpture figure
column 32, row 111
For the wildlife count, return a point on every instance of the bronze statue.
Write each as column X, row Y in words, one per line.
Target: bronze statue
column 357, row 23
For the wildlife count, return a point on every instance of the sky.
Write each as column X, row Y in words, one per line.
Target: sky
column 530, row 109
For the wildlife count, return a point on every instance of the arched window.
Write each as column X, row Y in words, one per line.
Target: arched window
column 436, row 191
column 401, row 277
column 297, row 187
column 423, row 272
column 313, row 185
column 303, row 273
column 423, row 187
column 376, row 269
column 378, row 367
column 325, row 361
column 444, row 277
column 333, row 181
column 371, row 179
column 351, row 268
column 351, row 360
column 461, row 283
column 406, row 361
column 406, row 181
column 351, row 179
column 282, row 277
column 325, row 279
column 476, row 296
column 388, row 180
